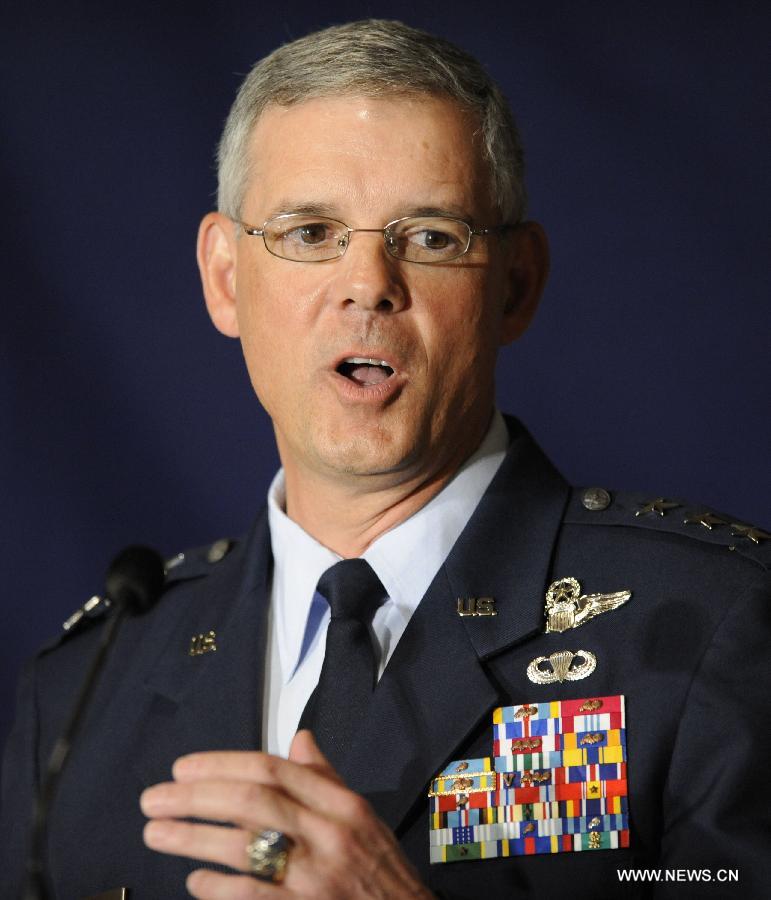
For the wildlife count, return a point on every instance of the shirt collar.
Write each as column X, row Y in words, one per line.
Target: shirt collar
column 406, row 558
column 298, row 562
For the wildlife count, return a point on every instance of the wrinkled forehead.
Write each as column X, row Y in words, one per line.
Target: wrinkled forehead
column 362, row 144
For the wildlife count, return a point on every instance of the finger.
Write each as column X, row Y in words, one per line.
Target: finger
column 250, row 805
column 206, row 885
column 261, row 766
column 321, row 791
column 210, row 843
column 305, row 750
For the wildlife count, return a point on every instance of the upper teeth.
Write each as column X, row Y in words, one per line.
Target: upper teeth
column 362, row 361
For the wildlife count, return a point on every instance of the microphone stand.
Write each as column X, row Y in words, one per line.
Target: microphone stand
column 134, row 583
column 35, row 889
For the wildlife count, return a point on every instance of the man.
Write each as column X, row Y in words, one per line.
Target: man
column 371, row 254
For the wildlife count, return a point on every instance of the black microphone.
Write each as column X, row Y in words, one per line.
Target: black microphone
column 134, row 582
column 135, row 579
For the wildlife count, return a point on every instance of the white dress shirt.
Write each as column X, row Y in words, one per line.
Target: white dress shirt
column 406, row 559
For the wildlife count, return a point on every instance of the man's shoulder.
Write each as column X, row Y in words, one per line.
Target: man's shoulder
column 674, row 524
column 184, row 572
column 199, row 562
column 599, row 517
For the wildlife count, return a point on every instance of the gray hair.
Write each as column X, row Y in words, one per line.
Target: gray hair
column 374, row 57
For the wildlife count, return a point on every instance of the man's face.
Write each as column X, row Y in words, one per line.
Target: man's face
column 367, row 162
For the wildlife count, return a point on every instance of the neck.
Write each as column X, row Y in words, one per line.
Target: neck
column 347, row 515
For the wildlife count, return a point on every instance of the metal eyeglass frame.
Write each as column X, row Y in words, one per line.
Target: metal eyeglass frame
column 386, row 230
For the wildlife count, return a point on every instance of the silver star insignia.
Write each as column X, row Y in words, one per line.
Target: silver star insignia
column 660, row 506
column 751, row 532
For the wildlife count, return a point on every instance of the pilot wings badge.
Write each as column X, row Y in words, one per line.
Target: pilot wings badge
column 567, row 608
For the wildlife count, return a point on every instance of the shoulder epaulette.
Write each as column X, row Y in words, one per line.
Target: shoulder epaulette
column 194, row 563
column 197, row 562
column 598, row 506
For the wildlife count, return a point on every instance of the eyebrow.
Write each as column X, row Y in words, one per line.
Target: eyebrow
column 453, row 212
column 330, row 211
column 285, row 207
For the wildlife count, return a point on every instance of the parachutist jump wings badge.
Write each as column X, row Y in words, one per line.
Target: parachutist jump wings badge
column 567, row 608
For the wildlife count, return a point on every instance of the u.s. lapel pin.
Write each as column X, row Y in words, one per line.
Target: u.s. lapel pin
column 476, row 606
column 567, row 608
column 203, row 643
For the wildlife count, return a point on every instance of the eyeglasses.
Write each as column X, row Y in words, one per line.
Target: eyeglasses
column 420, row 239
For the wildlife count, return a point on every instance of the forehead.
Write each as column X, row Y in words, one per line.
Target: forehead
column 369, row 155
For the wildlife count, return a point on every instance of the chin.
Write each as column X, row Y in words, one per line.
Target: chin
column 373, row 453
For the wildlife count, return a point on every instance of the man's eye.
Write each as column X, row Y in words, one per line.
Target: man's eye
column 437, row 240
column 432, row 239
column 313, row 233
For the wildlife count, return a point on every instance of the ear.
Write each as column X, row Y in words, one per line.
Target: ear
column 216, row 253
column 527, row 268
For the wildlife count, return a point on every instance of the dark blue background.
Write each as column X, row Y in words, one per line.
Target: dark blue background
column 127, row 418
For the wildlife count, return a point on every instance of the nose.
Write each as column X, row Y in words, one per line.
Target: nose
column 367, row 277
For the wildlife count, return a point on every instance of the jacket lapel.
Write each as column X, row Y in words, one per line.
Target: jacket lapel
column 435, row 690
column 213, row 700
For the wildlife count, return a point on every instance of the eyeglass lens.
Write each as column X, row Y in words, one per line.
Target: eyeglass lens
column 424, row 239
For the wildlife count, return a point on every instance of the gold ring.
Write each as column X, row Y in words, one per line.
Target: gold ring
column 268, row 852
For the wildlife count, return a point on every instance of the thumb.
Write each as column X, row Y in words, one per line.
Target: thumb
column 305, row 750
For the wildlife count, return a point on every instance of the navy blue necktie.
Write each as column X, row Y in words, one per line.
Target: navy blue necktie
column 349, row 672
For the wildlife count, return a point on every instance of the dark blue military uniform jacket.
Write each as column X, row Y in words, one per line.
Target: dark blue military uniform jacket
column 689, row 653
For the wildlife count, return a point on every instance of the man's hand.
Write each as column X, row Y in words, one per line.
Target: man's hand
column 340, row 848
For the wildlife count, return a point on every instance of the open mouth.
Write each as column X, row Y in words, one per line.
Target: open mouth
column 364, row 371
